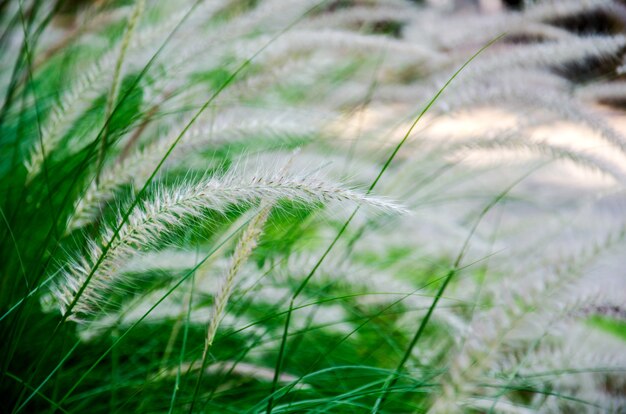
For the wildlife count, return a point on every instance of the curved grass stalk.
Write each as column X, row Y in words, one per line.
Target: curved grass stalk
column 137, row 167
column 170, row 209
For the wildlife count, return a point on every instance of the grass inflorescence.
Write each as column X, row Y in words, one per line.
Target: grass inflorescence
column 314, row 206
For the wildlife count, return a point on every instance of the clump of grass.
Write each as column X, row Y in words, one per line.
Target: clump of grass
column 159, row 253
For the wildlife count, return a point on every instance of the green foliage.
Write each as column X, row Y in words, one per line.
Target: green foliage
column 226, row 239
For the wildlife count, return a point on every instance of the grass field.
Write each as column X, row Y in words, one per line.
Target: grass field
column 305, row 206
